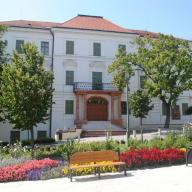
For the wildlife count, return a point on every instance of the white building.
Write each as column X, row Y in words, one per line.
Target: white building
column 79, row 52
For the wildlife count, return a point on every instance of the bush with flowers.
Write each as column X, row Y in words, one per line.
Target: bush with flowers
column 18, row 172
column 153, row 157
column 86, row 171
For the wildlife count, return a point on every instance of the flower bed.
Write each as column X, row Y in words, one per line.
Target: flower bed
column 153, row 157
column 18, row 172
column 90, row 170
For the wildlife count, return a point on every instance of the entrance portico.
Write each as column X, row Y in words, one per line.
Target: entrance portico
column 97, row 108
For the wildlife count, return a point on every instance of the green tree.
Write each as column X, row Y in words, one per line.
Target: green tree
column 139, row 104
column 167, row 64
column 26, row 90
column 3, row 45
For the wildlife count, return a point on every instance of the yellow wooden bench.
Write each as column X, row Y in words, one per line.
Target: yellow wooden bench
column 94, row 156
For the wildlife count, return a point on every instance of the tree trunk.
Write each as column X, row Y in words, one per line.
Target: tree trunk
column 141, row 130
column 168, row 112
column 32, row 142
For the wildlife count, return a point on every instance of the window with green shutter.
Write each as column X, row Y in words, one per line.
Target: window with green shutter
column 124, row 48
column 69, row 106
column 163, row 109
column 123, row 107
column 69, row 77
column 184, row 108
column 45, row 48
column 97, row 80
column 96, row 49
column 41, row 134
column 15, row 135
column 142, row 82
column 18, row 46
column 70, row 47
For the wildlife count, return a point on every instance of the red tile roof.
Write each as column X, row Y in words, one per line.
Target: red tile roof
column 143, row 33
column 92, row 23
column 32, row 24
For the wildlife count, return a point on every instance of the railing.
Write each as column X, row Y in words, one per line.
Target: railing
column 94, row 86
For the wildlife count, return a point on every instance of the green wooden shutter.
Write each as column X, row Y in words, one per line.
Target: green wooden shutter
column 70, row 47
column 18, row 46
column 97, row 77
column 69, row 77
column 15, row 135
column 123, row 46
column 184, row 108
column 163, row 109
column 41, row 134
column 69, row 107
column 97, row 49
column 141, row 82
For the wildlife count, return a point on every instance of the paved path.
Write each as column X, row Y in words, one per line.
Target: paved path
column 164, row 179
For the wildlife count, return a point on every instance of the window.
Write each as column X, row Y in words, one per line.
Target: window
column 97, row 80
column 69, row 77
column 124, row 108
column 70, row 47
column 45, row 48
column 163, row 109
column 124, row 48
column 184, row 108
column 18, row 46
column 41, row 134
column 96, row 49
column 142, row 82
column 69, row 106
column 15, row 135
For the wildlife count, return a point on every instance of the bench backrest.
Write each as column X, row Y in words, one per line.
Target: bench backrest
column 94, row 156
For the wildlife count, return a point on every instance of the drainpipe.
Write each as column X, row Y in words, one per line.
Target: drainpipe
column 50, row 127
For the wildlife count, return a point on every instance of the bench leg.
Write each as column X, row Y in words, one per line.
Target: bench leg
column 99, row 173
column 95, row 170
column 70, row 175
column 125, row 173
column 119, row 168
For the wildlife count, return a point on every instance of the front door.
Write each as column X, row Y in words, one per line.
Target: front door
column 96, row 110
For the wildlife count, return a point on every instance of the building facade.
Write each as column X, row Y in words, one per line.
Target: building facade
column 79, row 52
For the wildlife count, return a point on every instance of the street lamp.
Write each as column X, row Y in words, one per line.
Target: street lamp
column 127, row 77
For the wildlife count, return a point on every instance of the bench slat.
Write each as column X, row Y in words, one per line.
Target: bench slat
column 94, row 156
column 97, row 165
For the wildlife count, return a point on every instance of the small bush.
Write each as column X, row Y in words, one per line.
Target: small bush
column 47, row 148
column 53, row 148
column 122, row 142
column 41, row 148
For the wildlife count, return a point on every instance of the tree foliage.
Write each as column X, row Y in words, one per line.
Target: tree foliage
column 26, row 90
column 167, row 64
column 3, row 45
column 189, row 111
column 140, row 105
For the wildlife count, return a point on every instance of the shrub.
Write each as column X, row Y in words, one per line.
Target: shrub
column 47, row 148
column 86, row 171
column 41, row 148
column 122, row 142
column 16, row 150
column 53, row 148
column 153, row 157
column 17, row 172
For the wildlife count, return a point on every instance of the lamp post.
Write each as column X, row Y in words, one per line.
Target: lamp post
column 127, row 77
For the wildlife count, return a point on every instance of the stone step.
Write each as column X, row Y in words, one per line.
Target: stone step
column 101, row 133
column 100, row 125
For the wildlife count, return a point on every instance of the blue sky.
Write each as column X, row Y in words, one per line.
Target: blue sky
column 165, row 16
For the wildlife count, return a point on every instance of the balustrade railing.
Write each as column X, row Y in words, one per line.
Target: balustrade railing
column 94, row 86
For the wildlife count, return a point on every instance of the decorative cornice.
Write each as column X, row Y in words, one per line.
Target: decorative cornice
column 69, row 63
column 97, row 64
